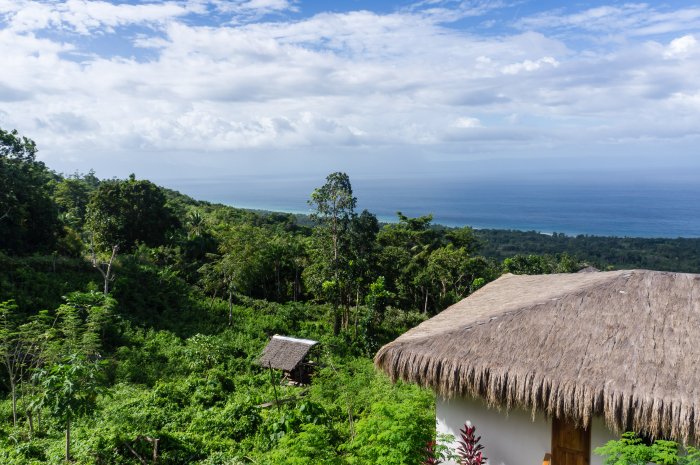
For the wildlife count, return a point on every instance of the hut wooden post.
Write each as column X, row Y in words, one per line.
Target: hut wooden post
column 274, row 388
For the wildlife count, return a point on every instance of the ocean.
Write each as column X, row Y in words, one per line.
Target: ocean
column 611, row 207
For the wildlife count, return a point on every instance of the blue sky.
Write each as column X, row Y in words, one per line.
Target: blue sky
column 204, row 88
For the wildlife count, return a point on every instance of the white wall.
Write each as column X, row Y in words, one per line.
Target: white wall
column 600, row 434
column 509, row 438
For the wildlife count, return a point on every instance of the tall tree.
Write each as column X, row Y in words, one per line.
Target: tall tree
column 333, row 207
column 72, row 195
column 125, row 212
column 28, row 216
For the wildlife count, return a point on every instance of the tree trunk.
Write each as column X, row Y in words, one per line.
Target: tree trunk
column 274, row 387
column 230, row 308
column 13, row 388
column 155, row 450
column 336, row 320
column 68, row 441
column 357, row 309
column 106, row 274
column 344, row 316
column 213, row 299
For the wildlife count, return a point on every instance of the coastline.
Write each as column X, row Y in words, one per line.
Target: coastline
column 624, row 209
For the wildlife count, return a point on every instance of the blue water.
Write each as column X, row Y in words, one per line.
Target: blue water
column 610, row 208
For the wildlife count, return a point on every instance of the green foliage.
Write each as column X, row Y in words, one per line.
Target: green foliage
column 39, row 282
column 450, row 272
column 692, row 456
column 28, row 215
column 541, row 264
column 630, row 449
column 126, row 212
column 333, row 203
column 70, row 388
column 72, row 195
column 428, row 268
column 255, row 261
column 377, row 299
column 28, row 347
column 81, row 323
column 393, row 434
column 149, row 356
column 680, row 254
column 312, row 444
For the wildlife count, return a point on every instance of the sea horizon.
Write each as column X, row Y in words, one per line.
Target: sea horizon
column 645, row 208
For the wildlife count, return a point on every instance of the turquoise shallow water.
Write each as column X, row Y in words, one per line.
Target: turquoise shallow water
column 611, row 208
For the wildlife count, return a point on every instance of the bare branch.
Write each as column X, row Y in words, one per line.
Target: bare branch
column 105, row 269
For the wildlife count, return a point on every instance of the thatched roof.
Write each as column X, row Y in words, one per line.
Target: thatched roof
column 285, row 353
column 621, row 344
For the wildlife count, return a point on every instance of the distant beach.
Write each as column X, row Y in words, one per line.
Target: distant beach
column 620, row 208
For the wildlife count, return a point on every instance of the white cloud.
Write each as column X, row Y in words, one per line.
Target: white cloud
column 682, row 47
column 86, row 16
column 529, row 65
column 467, row 122
column 625, row 20
column 393, row 82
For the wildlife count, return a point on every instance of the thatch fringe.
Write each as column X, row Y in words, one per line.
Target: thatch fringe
column 620, row 345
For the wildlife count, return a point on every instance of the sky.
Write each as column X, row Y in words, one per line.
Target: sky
column 196, row 89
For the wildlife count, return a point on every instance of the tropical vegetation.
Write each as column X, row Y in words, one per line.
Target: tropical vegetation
column 131, row 317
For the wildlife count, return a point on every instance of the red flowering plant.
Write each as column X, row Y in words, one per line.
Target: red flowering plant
column 469, row 449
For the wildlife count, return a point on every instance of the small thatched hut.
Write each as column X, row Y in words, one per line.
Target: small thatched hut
column 289, row 355
column 567, row 361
